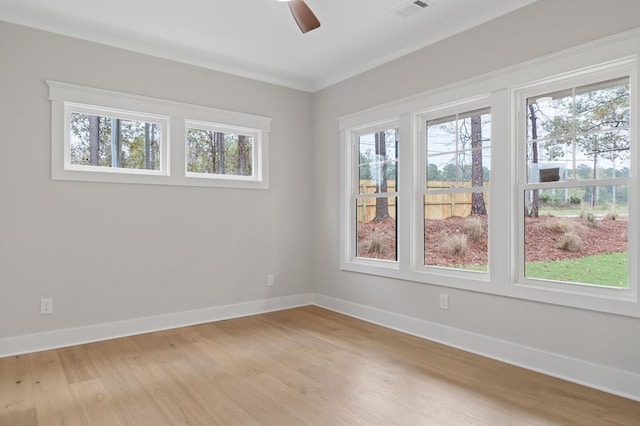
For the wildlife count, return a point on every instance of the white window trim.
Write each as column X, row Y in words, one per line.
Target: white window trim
column 520, row 94
column 70, row 107
column 499, row 86
column 256, row 151
column 350, row 193
column 175, row 114
column 458, row 107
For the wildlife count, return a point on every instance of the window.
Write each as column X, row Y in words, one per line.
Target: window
column 114, row 141
column 523, row 182
column 214, row 151
column 376, row 195
column 371, row 197
column 576, row 184
column 104, row 136
column 455, row 190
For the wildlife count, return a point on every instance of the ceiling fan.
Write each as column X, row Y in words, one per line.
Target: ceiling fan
column 303, row 16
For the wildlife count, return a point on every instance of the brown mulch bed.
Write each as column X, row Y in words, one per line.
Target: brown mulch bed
column 608, row 236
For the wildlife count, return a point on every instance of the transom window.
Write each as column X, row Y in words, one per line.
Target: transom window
column 105, row 136
column 215, row 151
column 121, row 141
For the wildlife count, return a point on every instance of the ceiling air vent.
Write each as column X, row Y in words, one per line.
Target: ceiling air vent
column 410, row 9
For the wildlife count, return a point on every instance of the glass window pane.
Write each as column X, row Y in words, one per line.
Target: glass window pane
column 376, row 228
column 549, row 161
column 442, row 171
column 474, row 130
column 441, row 135
column 110, row 142
column 474, row 167
column 456, row 230
column 580, row 235
column 457, row 149
column 220, row 153
column 378, row 161
column 550, row 115
column 603, row 106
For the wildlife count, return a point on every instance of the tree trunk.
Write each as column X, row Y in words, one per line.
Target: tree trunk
column 147, row 147
column 242, row 155
column 219, row 138
column 382, row 204
column 94, row 140
column 477, row 198
column 212, row 148
column 534, row 159
column 115, row 142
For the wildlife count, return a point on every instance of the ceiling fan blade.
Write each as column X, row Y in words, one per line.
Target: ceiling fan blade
column 304, row 17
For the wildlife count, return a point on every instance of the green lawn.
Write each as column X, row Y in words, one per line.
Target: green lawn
column 606, row 269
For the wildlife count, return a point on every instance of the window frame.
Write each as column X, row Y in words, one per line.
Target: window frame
column 256, row 150
column 72, row 107
column 351, row 194
column 520, row 94
column 176, row 114
column 455, row 109
column 500, row 87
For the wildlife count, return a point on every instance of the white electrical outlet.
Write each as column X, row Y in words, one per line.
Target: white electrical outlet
column 444, row 301
column 46, row 306
column 270, row 280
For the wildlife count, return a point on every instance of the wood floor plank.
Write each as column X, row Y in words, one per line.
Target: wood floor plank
column 204, row 387
column 299, row 366
column 93, row 403
column 53, row 398
column 177, row 406
column 128, row 398
column 77, row 365
column 17, row 403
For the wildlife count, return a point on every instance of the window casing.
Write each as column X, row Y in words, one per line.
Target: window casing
column 576, row 155
column 114, row 141
column 454, row 189
column 581, row 71
column 215, row 151
column 373, row 195
column 104, row 136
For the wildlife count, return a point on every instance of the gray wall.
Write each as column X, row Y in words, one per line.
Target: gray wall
column 541, row 28
column 111, row 252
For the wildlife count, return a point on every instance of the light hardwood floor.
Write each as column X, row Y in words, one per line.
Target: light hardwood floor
column 299, row 366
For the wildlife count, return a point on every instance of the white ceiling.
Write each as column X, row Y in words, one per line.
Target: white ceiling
column 259, row 38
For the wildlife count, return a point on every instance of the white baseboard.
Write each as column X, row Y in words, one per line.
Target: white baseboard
column 607, row 379
column 75, row 336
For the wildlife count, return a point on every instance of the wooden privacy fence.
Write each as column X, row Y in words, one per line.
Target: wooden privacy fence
column 436, row 206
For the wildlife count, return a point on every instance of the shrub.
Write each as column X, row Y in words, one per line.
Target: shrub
column 376, row 243
column 544, row 197
column 570, row 241
column 456, row 244
column 560, row 226
column 611, row 215
column 473, row 228
column 574, row 200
